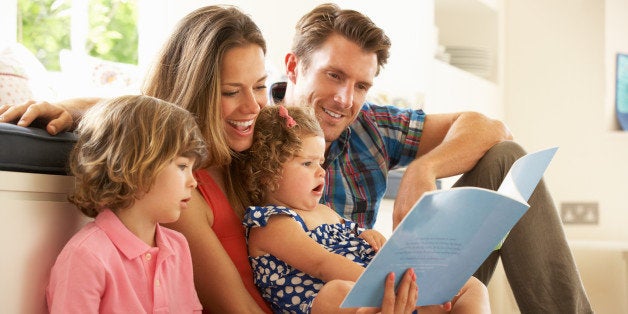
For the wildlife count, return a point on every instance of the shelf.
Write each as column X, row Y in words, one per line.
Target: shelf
column 451, row 89
column 469, row 6
column 472, row 24
column 414, row 78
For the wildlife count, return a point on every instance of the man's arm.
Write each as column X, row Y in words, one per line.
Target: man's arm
column 56, row 117
column 451, row 144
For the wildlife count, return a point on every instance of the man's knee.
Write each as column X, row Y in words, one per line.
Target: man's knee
column 500, row 157
column 507, row 150
column 493, row 166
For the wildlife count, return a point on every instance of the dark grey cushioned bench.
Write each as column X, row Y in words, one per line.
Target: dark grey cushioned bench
column 30, row 149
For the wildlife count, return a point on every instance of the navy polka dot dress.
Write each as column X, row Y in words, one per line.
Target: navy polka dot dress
column 288, row 289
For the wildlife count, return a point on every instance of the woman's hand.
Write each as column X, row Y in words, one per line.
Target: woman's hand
column 54, row 118
column 375, row 239
column 403, row 301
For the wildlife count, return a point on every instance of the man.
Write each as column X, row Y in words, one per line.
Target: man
column 335, row 56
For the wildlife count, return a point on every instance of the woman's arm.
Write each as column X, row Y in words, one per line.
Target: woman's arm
column 56, row 117
column 217, row 280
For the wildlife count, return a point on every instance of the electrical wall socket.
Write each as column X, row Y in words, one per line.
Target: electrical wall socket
column 580, row 213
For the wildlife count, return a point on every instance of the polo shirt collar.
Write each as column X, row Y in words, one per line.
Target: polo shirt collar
column 127, row 242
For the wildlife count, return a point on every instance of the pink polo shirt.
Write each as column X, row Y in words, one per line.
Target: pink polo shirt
column 105, row 268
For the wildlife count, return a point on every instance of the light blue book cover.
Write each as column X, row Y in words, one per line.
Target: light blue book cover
column 449, row 233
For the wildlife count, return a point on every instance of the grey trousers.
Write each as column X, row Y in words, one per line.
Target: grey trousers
column 537, row 260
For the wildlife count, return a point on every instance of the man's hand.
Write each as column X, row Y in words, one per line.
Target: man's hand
column 416, row 180
column 451, row 144
column 54, row 118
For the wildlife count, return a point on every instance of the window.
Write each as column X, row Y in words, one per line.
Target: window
column 106, row 29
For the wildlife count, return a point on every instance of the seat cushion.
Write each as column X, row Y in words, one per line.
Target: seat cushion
column 22, row 76
column 29, row 149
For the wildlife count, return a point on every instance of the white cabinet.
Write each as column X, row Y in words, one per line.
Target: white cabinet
column 36, row 221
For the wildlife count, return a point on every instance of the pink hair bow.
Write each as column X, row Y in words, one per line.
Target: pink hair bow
column 283, row 112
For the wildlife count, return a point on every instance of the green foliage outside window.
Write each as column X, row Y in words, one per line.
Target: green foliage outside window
column 112, row 30
column 44, row 28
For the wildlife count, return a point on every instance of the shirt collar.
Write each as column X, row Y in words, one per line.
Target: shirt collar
column 337, row 147
column 127, row 242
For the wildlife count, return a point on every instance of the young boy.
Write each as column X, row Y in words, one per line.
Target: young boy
column 133, row 166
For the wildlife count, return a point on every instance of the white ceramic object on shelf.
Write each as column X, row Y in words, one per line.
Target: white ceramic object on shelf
column 473, row 59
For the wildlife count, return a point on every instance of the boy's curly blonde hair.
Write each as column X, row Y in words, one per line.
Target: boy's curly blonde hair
column 275, row 142
column 123, row 144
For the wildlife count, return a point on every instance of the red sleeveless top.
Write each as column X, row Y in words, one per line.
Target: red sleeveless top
column 230, row 232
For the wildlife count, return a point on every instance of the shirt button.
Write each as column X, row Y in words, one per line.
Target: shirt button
column 157, row 282
column 148, row 256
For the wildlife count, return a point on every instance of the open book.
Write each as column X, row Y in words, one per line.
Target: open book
column 448, row 234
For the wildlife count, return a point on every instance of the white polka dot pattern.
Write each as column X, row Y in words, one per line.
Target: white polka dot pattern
column 288, row 289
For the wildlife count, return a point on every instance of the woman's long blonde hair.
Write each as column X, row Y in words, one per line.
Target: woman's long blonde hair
column 187, row 73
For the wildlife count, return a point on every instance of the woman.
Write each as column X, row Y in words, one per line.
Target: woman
column 212, row 65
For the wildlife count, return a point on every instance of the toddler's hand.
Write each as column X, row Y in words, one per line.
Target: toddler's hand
column 375, row 239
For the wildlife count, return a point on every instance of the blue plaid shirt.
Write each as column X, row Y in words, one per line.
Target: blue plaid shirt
column 380, row 139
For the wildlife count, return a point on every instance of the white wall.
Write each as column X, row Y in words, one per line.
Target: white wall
column 277, row 19
column 557, row 83
column 270, row 16
column 8, row 21
column 616, row 41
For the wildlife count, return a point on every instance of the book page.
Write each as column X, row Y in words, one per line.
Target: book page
column 525, row 174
